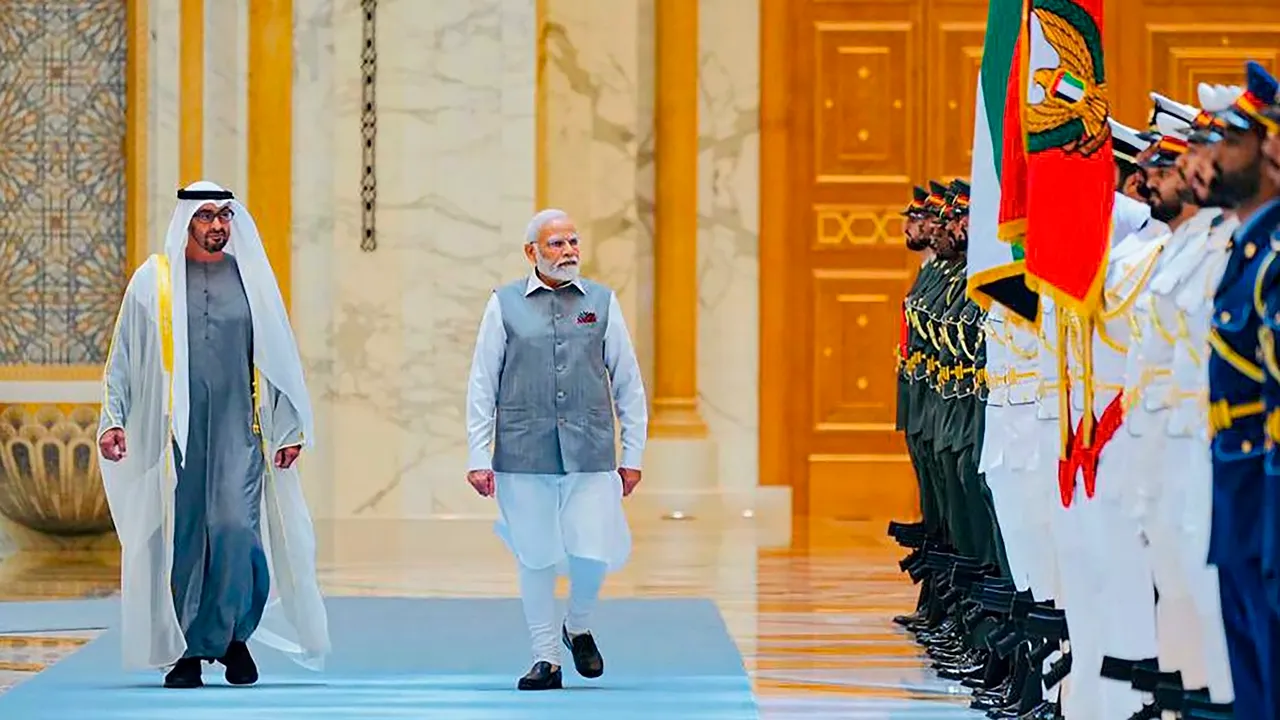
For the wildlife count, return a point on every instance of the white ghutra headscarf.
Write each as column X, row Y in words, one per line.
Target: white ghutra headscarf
column 275, row 351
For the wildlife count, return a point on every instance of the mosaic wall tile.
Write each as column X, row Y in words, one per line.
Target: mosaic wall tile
column 62, row 179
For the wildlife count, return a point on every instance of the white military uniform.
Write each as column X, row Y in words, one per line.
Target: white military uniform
column 1041, row 481
column 1188, row 450
column 1006, row 449
column 1101, row 563
column 1009, row 450
column 1174, row 505
column 1148, row 388
column 1177, row 482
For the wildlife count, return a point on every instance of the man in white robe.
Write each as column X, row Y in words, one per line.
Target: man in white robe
column 553, row 362
column 205, row 411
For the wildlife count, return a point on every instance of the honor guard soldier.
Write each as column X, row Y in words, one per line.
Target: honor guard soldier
column 1191, row 638
column 1093, row 559
column 1241, row 514
column 924, row 313
column 909, row 356
column 1009, row 451
column 966, row 391
column 1150, row 492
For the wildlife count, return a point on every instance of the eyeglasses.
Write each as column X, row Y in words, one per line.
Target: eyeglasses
column 205, row 217
column 559, row 241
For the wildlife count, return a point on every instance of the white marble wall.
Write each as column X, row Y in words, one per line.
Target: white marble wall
column 728, row 233
column 600, row 90
column 388, row 335
column 598, row 157
column 226, row 93
column 162, row 118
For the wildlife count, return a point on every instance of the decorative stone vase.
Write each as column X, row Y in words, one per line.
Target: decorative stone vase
column 49, row 476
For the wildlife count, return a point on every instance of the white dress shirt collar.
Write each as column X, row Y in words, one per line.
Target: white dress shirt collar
column 535, row 283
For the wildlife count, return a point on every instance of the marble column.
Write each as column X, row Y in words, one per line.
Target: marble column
column 682, row 462
column 224, row 135
column 675, row 399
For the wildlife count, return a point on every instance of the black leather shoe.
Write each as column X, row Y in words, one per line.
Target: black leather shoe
column 184, row 675
column 586, row 656
column 1043, row 711
column 542, row 676
column 1149, row 711
column 907, row 620
column 241, row 670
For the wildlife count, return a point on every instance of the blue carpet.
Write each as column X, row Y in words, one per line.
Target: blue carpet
column 58, row 615
column 428, row 658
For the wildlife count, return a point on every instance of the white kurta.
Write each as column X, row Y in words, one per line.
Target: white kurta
column 546, row 518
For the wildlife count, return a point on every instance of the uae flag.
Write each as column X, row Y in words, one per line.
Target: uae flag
column 996, row 268
column 1070, row 174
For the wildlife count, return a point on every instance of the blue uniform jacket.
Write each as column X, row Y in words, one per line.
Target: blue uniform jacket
column 1267, row 299
column 1236, row 378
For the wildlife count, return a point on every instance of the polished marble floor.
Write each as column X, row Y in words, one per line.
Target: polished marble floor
column 812, row 621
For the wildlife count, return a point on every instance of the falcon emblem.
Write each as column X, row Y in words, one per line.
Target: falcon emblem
column 1073, row 114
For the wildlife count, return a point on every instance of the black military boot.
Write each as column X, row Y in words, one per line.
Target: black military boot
column 241, row 670
column 542, row 676
column 184, row 675
column 586, row 656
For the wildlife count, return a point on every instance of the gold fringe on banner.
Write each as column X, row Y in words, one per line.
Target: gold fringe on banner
column 1064, row 379
column 1086, row 364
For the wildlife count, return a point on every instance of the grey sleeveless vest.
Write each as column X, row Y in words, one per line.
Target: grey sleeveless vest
column 555, row 408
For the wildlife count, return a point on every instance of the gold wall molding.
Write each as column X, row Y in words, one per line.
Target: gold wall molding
column 49, row 373
column 675, row 293
column 270, row 186
column 137, row 108
column 540, row 106
column 191, row 92
column 856, row 225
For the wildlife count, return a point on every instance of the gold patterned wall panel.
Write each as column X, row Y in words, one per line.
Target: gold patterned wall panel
column 839, row 227
column 851, row 393
column 862, row 132
column 955, row 59
column 1182, row 57
column 63, row 188
column 1171, row 46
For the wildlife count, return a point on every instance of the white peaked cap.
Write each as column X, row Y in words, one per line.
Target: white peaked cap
column 1127, row 140
column 1171, row 126
column 1166, row 106
column 1217, row 98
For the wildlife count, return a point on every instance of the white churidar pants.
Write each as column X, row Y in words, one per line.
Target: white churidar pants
column 561, row 524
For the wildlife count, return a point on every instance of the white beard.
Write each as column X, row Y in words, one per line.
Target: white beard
column 563, row 273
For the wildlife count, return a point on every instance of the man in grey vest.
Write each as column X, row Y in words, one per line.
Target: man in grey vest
column 553, row 361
